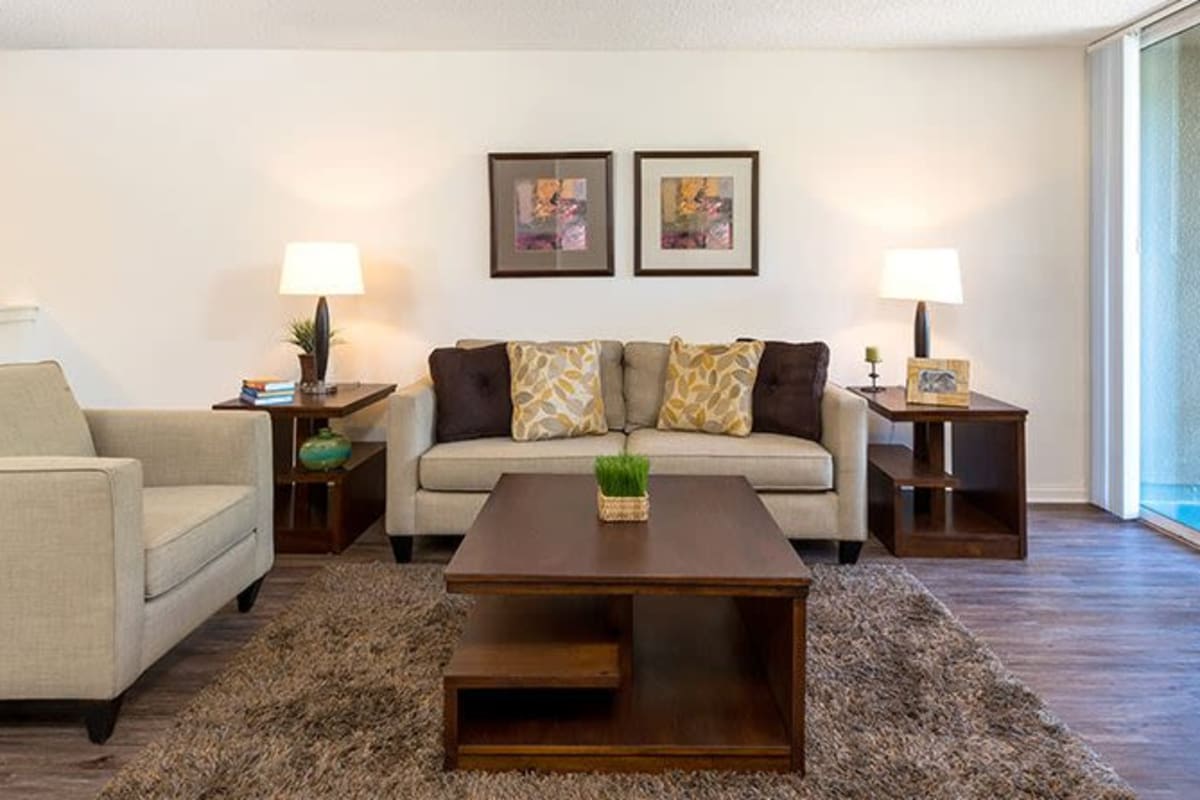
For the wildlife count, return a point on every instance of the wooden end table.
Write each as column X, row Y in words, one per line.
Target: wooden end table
column 323, row 512
column 977, row 509
column 677, row 643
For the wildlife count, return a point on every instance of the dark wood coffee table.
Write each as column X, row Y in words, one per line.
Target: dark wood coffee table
column 677, row 643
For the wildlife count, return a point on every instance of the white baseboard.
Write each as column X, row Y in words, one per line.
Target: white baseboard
column 1057, row 494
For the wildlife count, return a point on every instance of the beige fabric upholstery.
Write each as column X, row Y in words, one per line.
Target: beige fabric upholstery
column 805, row 515
column 410, row 425
column 447, row 513
column 192, row 448
column 38, row 413
column 844, row 435
column 770, row 461
column 611, row 377
column 186, row 527
column 814, row 490
column 645, row 377
column 71, row 577
column 75, row 622
column 172, row 616
column 476, row 465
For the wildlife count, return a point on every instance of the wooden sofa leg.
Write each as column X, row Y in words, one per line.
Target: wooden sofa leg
column 848, row 552
column 402, row 547
column 247, row 596
column 100, row 716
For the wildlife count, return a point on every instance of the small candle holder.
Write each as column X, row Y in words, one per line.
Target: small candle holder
column 874, row 389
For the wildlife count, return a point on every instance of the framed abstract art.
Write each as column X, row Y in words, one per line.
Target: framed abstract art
column 551, row 214
column 695, row 213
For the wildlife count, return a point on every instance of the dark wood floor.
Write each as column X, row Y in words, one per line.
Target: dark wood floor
column 1103, row 621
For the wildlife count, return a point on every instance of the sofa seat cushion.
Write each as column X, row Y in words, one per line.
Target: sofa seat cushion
column 186, row 527
column 770, row 461
column 476, row 465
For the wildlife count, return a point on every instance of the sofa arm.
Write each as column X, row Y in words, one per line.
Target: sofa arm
column 411, row 418
column 182, row 448
column 844, row 434
column 72, row 577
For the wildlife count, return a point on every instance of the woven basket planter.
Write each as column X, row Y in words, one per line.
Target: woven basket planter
column 623, row 509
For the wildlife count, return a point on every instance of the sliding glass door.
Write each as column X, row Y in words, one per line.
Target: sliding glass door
column 1170, row 279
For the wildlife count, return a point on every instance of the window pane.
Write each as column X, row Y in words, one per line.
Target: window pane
column 1170, row 284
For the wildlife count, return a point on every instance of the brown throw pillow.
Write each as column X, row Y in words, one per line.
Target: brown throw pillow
column 789, row 387
column 472, row 390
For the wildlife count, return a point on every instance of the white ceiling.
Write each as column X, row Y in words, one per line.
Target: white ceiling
column 557, row 24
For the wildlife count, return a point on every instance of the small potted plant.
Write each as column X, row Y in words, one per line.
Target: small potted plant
column 301, row 332
column 622, row 488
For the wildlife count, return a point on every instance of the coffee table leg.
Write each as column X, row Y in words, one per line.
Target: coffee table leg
column 799, row 679
column 450, row 727
column 778, row 628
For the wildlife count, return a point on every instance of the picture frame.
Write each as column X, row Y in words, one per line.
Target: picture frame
column 695, row 213
column 939, row 382
column 551, row 214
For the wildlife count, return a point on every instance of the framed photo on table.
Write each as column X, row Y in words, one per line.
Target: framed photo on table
column 695, row 213
column 551, row 214
column 939, row 382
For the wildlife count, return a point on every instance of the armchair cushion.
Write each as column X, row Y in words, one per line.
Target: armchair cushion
column 39, row 415
column 186, row 527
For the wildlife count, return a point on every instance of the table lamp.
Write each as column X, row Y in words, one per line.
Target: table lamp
column 321, row 268
column 927, row 276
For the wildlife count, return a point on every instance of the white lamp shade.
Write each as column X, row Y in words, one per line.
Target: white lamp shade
column 931, row 275
column 321, row 268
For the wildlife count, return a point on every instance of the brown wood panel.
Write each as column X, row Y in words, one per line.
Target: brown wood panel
column 349, row 398
column 989, row 459
column 699, row 692
column 778, row 630
column 538, row 642
column 891, row 404
column 898, row 463
column 540, row 533
column 1101, row 620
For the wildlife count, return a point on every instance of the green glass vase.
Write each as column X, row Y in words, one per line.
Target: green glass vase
column 325, row 451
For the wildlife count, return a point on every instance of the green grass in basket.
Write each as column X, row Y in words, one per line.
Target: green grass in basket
column 625, row 475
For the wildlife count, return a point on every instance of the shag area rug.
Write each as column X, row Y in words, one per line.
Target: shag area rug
column 340, row 697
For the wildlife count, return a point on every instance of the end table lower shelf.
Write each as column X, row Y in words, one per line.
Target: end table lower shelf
column 321, row 512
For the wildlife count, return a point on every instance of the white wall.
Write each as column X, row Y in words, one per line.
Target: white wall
column 145, row 198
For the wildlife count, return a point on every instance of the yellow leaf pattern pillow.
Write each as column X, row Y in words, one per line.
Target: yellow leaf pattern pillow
column 710, row 387
column 556, row 390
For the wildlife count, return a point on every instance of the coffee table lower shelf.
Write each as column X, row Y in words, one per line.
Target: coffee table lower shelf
column 632, row 684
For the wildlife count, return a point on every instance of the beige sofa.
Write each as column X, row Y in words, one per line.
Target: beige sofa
column 815, row 490
column 122, row 531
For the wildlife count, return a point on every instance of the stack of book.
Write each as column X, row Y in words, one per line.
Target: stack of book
column 268, row 391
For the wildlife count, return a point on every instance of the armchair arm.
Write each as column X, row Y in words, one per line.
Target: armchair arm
column 844, row 434
column 72, row 577
column 180, row 448
column 411, row 417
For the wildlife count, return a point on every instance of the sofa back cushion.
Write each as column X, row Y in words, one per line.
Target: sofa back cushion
column 473, row 391
column 39, row 415
column 611, row 379
column 645, row 376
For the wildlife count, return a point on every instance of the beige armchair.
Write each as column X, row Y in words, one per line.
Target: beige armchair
column 121, row 532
